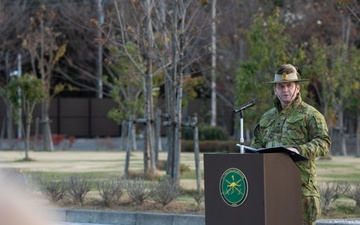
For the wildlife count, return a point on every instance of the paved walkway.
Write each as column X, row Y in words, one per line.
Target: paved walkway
column 338, row 221
column 98, row 217
column 66, row 223
column 320, row 222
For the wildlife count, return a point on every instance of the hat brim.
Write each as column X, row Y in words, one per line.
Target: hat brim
column 286, row 81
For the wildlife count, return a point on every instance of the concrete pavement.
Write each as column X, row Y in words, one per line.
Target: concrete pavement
column 99, row 217
column 96, row 217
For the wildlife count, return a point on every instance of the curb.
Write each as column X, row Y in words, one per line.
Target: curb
column 354, row 221
column 100, row 217
column 125, row 218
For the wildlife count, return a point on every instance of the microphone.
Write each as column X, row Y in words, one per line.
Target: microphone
column 245, row 106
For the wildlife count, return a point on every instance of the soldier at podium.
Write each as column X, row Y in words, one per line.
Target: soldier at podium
column 295, row 125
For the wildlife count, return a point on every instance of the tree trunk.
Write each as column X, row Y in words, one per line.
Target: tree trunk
column 341, row 130
column 179, row 89
column 99, row 63
column 172, row 140
column 358, row 134
column 9, row 124
column 9, row 108
column 124, row 134
column 128, row 146
column 197, row 154
column 169, row 93
column 146, row 151
column 133, row 138
column 148, row 91
column 27, row 137
column 46, row 129
column 213, row 63
column 157, row 136
column 151, row 144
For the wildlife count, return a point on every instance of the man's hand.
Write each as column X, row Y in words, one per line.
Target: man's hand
column 294, row 150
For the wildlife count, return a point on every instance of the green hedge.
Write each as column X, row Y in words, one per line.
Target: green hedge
column 211, row 146
column 206, row 132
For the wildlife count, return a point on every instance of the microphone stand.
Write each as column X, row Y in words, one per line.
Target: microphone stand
column 242, row 141
column 241, row 111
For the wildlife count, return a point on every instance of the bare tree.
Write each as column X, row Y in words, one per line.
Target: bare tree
column 80, row 24
column 46, row 48
column 188, row 22
column 149, row 101
column 168, row 37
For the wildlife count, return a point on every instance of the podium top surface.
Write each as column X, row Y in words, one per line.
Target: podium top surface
column 294, row 156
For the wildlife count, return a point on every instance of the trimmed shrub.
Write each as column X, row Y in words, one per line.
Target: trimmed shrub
column 354, row 193
column 161, row 165
column 184, row 168
column 211, row 146
column 187, row 133
column 137, row 190
column 77, row 187
column 110, row 189
column 165, row 191
column 330, row 191
column 206, row 132
column 54, row 190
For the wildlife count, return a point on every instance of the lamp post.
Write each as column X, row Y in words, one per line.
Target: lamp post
column 18, row 73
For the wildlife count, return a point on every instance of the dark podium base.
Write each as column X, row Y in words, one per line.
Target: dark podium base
column 273, row 191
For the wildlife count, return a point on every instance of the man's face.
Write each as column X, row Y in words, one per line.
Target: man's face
column 286, row 92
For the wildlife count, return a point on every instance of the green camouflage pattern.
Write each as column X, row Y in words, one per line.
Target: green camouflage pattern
column 311, row 210
column 301, row 126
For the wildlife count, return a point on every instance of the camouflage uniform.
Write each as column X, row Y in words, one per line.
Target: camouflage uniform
column 301, row 126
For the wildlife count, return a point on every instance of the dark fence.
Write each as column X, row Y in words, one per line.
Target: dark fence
column 87, row 117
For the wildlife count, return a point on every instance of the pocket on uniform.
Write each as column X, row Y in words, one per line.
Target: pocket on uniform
column 305, row 173
column 265, row 126
column 315, row 209
column 295, row 128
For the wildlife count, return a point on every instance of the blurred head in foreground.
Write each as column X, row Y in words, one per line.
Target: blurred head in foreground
column 16, row 205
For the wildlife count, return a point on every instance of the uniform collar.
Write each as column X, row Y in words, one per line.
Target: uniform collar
column 288, row 108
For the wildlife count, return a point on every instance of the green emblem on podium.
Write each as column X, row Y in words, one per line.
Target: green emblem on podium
column 233, row 187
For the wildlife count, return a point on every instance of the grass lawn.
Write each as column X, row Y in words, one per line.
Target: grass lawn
column 97, row 163
column 339, row 168
column 106, row 162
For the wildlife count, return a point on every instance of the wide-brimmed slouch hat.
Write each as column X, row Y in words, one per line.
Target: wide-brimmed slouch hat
column 286, row 73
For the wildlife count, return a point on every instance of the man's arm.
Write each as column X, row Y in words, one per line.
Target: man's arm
column 257, row 141
column 319, row 144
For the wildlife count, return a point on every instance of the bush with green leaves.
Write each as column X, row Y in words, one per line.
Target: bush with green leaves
column 211, row 146
column 206, row 132
column 165, row 191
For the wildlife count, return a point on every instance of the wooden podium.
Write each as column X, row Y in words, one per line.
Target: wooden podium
column 252, row 189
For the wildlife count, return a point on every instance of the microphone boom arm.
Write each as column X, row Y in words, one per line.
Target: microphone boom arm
column 245, row 106
column 241, row 110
